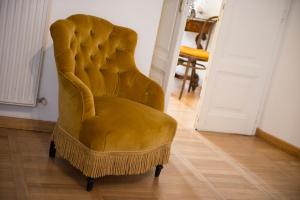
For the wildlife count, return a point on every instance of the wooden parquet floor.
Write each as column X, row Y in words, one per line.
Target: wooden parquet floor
column 202, row 166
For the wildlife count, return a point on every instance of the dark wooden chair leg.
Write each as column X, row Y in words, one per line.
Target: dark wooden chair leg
column 158, row 170
column 185, row 78
column 192, row 80
column 90, row 184
column 52, row 150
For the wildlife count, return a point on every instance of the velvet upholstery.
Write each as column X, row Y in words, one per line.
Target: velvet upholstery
column 144, row 127
column 105, row 103
column 194, row 53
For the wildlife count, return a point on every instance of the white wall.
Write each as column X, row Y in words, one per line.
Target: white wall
column 141, row 15
column 281, row 115
column 210, row 7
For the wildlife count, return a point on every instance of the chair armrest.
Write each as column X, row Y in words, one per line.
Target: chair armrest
column 77, row 95
column 138, row 87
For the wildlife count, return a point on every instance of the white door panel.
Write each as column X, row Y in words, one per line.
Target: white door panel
column 163, row 41
column 168, row 39
column 243, row 58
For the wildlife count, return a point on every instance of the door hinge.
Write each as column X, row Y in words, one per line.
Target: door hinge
column 284, row 16
column 223, row 5
column 180, row 6
column 286, row 13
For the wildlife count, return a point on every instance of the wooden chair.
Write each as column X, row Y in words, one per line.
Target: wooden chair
column 189, row 56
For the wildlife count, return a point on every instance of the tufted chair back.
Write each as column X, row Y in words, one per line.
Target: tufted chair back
column 95, row 51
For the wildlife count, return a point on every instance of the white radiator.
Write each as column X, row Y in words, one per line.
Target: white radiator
column 22, row 31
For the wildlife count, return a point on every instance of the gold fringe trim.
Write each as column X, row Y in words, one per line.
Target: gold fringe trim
column 97, row 164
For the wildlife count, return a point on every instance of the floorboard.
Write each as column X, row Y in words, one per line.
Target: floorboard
column 202, row 166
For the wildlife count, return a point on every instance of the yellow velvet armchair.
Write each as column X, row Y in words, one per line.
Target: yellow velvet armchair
column 111, row 119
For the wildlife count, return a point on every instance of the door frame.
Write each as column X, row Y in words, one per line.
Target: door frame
column 275, row 58
column 173, row 61
column 175, row 44
column 208, row 68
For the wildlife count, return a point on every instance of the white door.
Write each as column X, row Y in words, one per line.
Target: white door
column 241, row 65
column 171, row 27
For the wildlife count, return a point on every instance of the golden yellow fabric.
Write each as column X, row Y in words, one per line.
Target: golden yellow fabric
column 195, row 53
column 124, row 125
column 104, row 101
column 76, row 103
column 100, row 163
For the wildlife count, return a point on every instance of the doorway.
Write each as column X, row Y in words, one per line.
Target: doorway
column 201, row 20
column 239, row 69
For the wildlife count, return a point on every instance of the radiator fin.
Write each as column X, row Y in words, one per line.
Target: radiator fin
column 22, row 27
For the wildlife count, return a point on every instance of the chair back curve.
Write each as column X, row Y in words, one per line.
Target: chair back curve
column 208, row 26
column 94, row 50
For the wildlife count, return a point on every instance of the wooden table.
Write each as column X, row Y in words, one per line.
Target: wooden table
column 196, row 24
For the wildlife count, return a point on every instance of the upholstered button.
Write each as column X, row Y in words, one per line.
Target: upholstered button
column 92, row 33
column 99, row 46
column 76, row 57
column 76, row 33
column 146, row 93
column 92, row 57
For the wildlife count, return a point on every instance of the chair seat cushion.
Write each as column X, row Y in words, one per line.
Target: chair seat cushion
column 195, row 53
column 124, row 125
